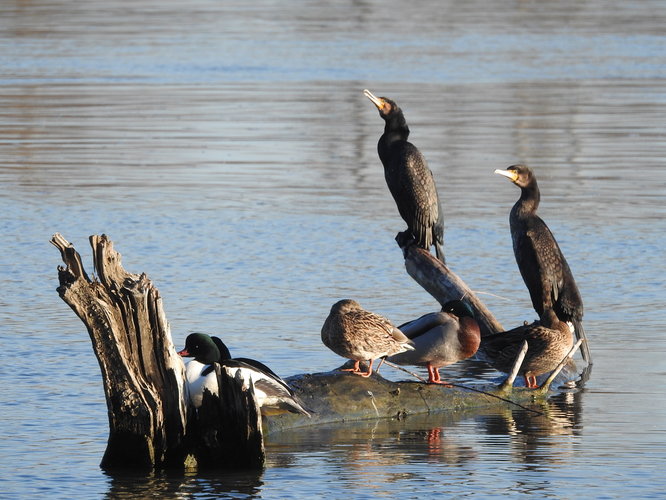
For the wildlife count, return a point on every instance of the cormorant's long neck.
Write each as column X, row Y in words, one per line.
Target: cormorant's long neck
column 396, row 129
column 529, row 199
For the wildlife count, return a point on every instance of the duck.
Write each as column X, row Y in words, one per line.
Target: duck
column 542, row 265
column 199, row 372
column 441, row 339
column 549, row 340
column 273, row 394
column 354, row 333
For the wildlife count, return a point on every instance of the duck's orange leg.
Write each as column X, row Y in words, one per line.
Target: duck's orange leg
column 434, row 377
column 531, row 381
column 369, row 372
column 356, row 369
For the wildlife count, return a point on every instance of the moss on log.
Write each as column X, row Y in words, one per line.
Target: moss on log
column 338, row 396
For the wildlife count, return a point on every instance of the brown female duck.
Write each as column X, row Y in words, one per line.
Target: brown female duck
column 354, row 333
column 549, row 340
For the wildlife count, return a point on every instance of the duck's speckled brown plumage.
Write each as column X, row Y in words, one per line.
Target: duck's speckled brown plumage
column 548, row 342
column 441, row 339
column 354, row 333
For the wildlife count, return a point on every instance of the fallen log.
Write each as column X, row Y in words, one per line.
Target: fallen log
column 443, row 284
column 151, row 424
column 337, row 396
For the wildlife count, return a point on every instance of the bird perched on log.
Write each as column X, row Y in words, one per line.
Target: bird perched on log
column 199, row 373
column 542, row 265
column 549, row 340
column 273, row 394
column 409, row 179
column 354, row 333
column 441, row 339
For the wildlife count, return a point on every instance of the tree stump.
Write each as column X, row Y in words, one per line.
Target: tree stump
column 143, row 376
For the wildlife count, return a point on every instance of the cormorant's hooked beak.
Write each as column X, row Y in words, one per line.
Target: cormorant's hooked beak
column 511, row 174
column 377, row 101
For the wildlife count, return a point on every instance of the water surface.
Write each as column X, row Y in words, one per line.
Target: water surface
column 228, row 151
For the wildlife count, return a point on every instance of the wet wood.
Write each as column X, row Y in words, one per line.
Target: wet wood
column 443, row 284
column 151, row 424
column 338, row 396
column 226, row 431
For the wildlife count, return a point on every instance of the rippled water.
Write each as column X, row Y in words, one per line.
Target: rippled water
column 228, row 151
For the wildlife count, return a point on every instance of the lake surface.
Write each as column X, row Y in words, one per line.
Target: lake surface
column 228, row 151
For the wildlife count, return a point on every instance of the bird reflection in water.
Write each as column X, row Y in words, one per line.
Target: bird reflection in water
column 539, row 438
column 369, row 454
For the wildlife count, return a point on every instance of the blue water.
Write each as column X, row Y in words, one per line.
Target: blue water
column 228, row 151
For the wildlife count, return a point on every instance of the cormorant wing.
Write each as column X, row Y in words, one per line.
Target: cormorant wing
column 413, row 188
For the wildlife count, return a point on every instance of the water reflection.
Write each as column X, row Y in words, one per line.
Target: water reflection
column 376, row 448
column 227, row 148
column 236, row 484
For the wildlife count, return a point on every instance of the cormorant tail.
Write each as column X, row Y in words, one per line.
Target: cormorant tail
column 584, row 347
column 439, row 252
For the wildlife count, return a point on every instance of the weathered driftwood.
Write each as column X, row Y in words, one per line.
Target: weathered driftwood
column 143, row 379
column 443, row 284
column 226, row 432
column 143, row 375
column 337, row 396
column 151, row 425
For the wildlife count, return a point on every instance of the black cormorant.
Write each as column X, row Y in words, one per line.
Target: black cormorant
column 408, row 178
column 542, row 265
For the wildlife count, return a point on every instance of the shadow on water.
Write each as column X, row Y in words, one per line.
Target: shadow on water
column 238, row 484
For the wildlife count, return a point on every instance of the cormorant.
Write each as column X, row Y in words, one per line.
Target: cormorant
column 354, row 333
column 408, row 178
column 549, row 340
column 542, row 265
column 441, row 339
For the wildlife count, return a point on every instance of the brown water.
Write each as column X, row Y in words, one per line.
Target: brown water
column 228, row 151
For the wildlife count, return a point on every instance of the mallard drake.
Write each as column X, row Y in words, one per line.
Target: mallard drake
column 198, row 372
column 354, row 333
column 441, row 339
column 549, row 340
column 273, row 394
column 542, row 265
column 408, row 178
